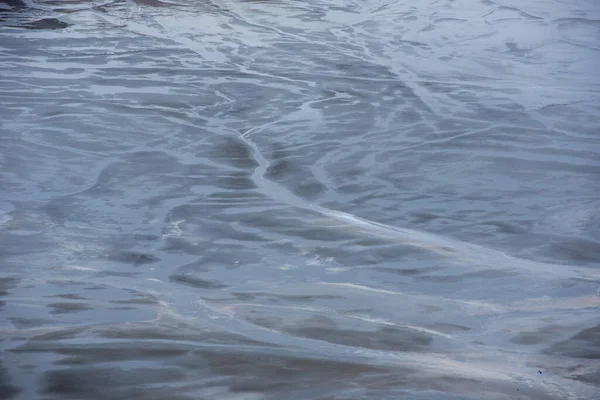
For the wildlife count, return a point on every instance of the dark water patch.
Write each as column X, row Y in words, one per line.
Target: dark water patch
column 320, row 234
column 196, row 282
column 486, row 274
column 288, row 167
column 183, row 246
column 95, row 287
column 91, row 382
column 590, row 377
column 140, row 300
column 449, row 328
column 177, row 332
column 136, row 297
column 543, row 335
column 585, row 344
column 574, row 250
column 290, row 370
column 236, row 181
column 69, row 296
column 268, row 322
column 68, row 282
column 408, row 271
column 274, row 298
column 26, row 323
column 6, row 284
column 310, row 189
column 388, row 338
column 62, row 334
column 305, row 298
column 68, row 308
column 134, row 257
column 22, row 242
column 508, row 228
column 15, row 5
column 235, row 152
column 141, row 237
column 102, row 353
column 283, row 163
column 8, row 390
column 103, row 274
column 154, row 3
column 44, row 23
column 90, row 356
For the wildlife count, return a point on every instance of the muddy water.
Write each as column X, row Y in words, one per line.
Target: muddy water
column 299, row 200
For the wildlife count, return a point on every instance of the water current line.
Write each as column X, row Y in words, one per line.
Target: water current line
column 461, row 252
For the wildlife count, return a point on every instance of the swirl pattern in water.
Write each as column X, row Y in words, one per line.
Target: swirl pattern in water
column 229, row 199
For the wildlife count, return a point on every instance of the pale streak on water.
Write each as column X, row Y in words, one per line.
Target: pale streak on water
column 299, row 200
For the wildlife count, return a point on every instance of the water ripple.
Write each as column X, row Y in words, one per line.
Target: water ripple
column 278, row 199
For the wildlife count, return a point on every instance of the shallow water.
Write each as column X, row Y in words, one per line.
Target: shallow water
column 299, row 200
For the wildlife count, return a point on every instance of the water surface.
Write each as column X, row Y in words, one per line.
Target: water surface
column 299, row 200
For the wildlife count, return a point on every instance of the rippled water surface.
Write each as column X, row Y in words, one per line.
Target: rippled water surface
column 342, row 199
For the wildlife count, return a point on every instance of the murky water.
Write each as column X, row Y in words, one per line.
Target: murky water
column 299, row 199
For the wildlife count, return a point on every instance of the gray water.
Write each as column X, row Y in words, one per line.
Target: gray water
column 343, row 199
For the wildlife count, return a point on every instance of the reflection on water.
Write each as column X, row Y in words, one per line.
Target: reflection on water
column 308, row 200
